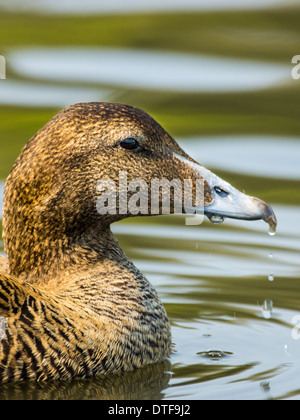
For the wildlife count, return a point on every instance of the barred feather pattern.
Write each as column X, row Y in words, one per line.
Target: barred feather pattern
column 49, row 337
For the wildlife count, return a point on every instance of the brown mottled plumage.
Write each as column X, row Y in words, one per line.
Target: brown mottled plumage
column 4, row 267
column 73, row 304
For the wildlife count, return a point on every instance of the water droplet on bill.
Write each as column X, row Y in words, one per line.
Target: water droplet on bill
column 216, row 219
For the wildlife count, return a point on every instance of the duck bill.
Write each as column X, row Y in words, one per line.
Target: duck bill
column 228, row 202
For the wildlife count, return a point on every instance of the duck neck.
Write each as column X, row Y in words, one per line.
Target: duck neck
column 51, row 260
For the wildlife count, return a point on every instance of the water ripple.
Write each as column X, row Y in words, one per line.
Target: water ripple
column 146, row 69
column 36, row 94
column 252, row 155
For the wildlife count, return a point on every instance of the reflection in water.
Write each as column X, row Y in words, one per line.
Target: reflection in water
column 145, row 383
column 147, row 69
column 208, row 372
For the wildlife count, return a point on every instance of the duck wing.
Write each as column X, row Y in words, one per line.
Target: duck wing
column 12, row 295
column 43, row 338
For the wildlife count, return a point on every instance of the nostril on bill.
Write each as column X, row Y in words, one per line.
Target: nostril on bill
column 221, row 192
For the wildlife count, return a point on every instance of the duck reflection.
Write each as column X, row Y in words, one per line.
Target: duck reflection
column 141, row 384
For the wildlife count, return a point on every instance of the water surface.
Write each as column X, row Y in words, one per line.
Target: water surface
column 231, row 291
column 22, row 93
column 136, row 68
column 271, row 157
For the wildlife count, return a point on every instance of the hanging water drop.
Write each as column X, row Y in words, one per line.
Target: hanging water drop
column 272, row 225
column 216, row 219
column 272, row 232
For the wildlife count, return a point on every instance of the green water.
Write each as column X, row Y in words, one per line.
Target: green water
column 232, row 292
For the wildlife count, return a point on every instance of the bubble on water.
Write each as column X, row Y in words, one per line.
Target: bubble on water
column 214, row 354
column 265, row 386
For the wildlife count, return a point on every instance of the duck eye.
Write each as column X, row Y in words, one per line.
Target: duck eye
column 130, row 144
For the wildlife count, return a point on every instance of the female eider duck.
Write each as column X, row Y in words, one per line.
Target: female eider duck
column 73, row 304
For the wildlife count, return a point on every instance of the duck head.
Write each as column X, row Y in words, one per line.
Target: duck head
column 54, row 191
